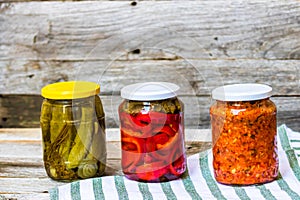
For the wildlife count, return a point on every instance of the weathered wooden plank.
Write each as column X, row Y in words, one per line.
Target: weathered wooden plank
column 22, row 1
column 21, row 109
column 26, row 154
column 110, row 29
column 17, row 171
column 132, row 2
column 196, row 112
column 154, row 53
column 195, row 77
column 27, row 185
column 33, row 196
column 28, row 180
column 20, row 134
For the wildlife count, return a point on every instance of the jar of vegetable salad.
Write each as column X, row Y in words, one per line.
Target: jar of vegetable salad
column 73, row 130
column 243, row 122
column 152, row 132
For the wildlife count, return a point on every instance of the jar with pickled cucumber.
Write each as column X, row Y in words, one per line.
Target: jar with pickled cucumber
column 243, row 122
column 152, row 132
column 73, row 130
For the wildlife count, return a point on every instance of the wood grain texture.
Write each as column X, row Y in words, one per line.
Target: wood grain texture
column 197, row 44
column 195, row 77
column 110, row 29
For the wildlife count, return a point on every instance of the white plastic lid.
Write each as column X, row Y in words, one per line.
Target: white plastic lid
column 242, row 92
column 149, row 91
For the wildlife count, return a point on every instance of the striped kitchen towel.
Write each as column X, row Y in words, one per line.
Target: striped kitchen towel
column 199, row 183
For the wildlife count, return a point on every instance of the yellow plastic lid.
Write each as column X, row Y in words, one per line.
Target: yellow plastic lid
column 70, row 90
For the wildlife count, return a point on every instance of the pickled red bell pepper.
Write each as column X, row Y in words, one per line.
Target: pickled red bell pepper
column 151, row 171
column 132, row 147
column 152, row 147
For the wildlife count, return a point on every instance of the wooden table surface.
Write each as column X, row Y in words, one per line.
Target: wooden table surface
column 22, row 174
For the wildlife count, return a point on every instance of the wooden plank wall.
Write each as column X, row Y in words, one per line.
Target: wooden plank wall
column 198, row 45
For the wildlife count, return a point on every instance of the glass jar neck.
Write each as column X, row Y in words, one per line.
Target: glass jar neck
column 70, row 101
column 241, row 102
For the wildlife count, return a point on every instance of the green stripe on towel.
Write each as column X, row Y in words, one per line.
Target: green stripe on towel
column 241, row 193
column 293, row 163
column 75, row 191
column 166, row 187
column 121, row 189
column 144, row 189
column 290, row 153
column 265, row 192
column 295, row 141
column 54, row 194
column 189, row 186
column 285, row 187
column 97, row 188
column 215, row 190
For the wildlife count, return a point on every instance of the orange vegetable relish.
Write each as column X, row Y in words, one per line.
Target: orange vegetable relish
column 244, row 141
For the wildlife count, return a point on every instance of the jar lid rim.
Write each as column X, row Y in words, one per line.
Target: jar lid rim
column 70, row 90
column 149, row 91
column 242, row 92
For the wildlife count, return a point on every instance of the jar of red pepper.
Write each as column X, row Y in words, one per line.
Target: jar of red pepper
column 152, row 132
column 243, row 121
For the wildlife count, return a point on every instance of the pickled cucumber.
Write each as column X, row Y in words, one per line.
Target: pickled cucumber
column 73, row 138
column 83, row 139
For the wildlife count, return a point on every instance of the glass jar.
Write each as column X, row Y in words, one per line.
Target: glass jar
column 243, row 122
column 152, row 132
column 73, row 130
